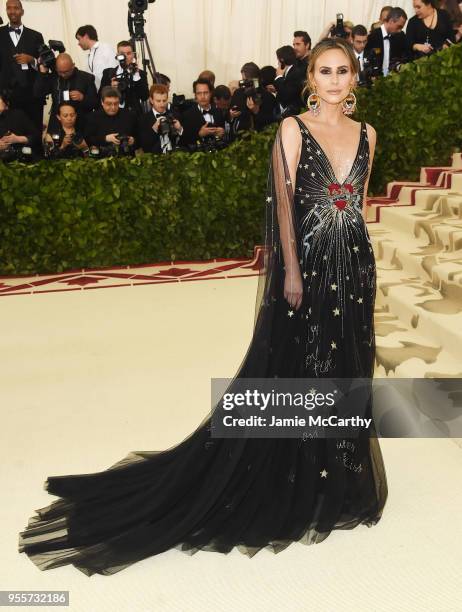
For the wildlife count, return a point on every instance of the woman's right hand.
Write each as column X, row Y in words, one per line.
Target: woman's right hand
column 293, row 288
column 425, row 48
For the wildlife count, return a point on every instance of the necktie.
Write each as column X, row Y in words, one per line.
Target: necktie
column 206, row 112
column 160, row 115
column 387, row 37
column 17, row 31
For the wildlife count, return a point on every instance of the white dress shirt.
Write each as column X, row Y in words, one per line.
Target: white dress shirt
column 360, row 57
column 207, row 116
column 386, row 50
column 16, row 38
column 165, row 142
column 101, row 56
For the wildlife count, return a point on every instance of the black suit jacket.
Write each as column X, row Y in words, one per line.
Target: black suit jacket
column 267, row 114
column 84, row 82
column 193, row 120
column 399, row 47
column 138, row 91
column 99, row 125
column 12, row 76
column 147, row 139
column 289, row 89
column 17, row 122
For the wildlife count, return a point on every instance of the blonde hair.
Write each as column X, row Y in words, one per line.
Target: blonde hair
column 326, row 45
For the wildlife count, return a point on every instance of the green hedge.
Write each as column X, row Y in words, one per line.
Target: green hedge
column 65, row 215
column 417, row 114
column 87, row 213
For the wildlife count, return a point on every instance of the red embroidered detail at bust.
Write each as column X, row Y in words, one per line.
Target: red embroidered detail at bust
column 340, row 194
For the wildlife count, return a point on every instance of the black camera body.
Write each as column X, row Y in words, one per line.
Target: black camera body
column 72, row 151
column 124, row 79
column 251, row 89
column 371, row 69
column 17, row 152
column 124, row 146
column 166, row 126
column 180, row 104
column 338, row 30
column 139, row 6
column 209, row 144
column 47, row 55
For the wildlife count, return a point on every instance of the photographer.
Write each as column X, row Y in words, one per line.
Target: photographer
column 203, row 120
column 128, row 78
column 19, row 50
column 222, row 102
column 389, row 42
column 288, row 82
column 16, row 130
column 159, row 130
column 67, row 140
column 368, row 63
column 66, row 83
column 111, row 127
column 252, row 106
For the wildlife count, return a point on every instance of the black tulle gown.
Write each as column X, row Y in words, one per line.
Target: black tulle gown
column 218, row 493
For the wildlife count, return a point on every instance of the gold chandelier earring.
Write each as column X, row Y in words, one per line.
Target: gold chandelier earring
column 314, row 103
column 349, row 104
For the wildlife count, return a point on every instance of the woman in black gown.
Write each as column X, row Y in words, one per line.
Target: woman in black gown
column 314, row 318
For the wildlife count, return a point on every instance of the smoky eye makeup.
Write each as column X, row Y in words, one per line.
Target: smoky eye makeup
column 341, row 70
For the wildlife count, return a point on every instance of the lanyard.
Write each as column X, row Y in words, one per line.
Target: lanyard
column 93, row 62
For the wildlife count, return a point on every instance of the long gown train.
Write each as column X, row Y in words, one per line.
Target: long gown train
column 214, row 494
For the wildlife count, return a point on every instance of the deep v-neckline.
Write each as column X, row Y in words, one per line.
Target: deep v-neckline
column 331, row 169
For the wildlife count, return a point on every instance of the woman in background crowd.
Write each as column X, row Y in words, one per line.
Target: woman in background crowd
column 429, row 30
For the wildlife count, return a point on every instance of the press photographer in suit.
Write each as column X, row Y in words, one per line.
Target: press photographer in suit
column 16, row 129
column 128, row 78
column 159, row 130
column 19, row 50
column 389, row 43
column 203, row 120
column 288, row 82
column 252, row 106
column 105, row 127
column 66, row 83
column 67, row 140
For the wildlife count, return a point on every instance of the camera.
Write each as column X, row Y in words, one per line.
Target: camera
column 47, row 55
column 209, row 144
column 371, row 69
column 338, row 29
column 20, row 153
column 72, row 151
column 251, row 89
column 139, row 6
column 166, row 126
column 124, row 146
column 124, row 79
column 181, row 104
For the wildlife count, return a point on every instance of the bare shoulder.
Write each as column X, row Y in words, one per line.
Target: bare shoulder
column 290, row 131
column 289, row 127
column 371, row 134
